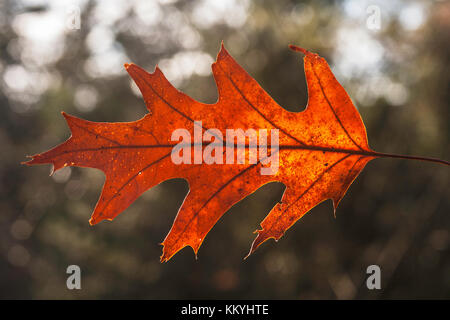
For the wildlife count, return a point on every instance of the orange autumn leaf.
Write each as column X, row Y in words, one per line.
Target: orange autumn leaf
column 321, row 150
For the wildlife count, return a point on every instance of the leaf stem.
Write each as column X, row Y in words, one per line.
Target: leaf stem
column 399, row 156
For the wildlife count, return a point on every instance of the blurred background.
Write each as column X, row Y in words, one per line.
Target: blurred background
column 392, row 57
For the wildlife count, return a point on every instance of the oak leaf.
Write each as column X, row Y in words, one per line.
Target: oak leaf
column 321, row 150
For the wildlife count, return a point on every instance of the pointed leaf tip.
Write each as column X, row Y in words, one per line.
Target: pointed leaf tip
column 223, row 53
column 222, row 47
column 299, row 49
column 94, row 220
column 66, row 115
